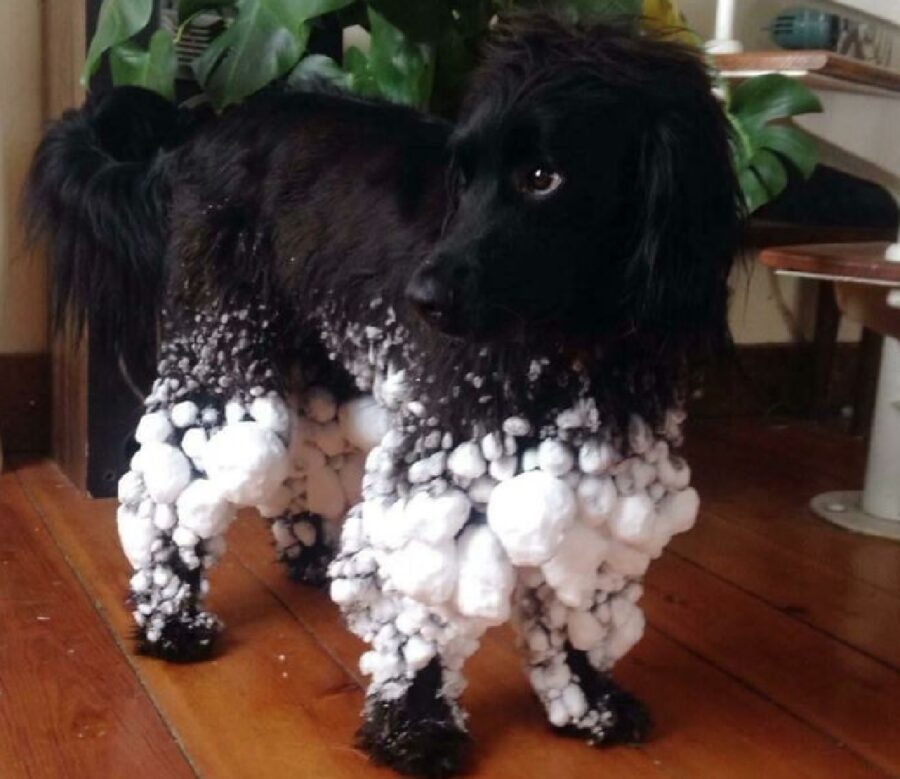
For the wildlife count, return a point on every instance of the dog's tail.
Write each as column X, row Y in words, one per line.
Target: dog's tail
column 97, row 195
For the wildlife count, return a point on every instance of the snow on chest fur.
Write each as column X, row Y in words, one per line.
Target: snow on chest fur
column 582, row 510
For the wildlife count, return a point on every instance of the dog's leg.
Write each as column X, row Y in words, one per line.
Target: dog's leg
column 213, row 438
column 304, row 544
column 412, row 718
column 574, row 684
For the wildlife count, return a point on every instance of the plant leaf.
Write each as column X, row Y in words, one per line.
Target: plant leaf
column 771, row 172
column 793, row 144
column 402, row 70
column 762, row 99
column 118, row 21
column 318, row 67
column 153, row 69
column 422, row 21
column 755, row 195
column 264, row 42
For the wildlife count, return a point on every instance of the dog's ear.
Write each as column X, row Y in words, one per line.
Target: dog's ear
column 687, row 198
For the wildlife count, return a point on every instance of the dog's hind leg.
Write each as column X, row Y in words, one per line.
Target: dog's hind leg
column 214, row 437
column 570, row 653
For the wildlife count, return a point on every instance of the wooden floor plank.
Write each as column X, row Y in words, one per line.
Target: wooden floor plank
column 705, row 720
column 272, row 705
column 70, row 705
column 851, row 610
column 768, row 495
column 511, row 733
column 847, row 695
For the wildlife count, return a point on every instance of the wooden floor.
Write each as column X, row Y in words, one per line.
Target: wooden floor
column 773, row 648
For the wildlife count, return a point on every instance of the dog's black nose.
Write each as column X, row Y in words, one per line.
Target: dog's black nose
column 433, row 298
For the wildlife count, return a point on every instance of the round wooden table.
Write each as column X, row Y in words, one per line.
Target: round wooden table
column 867, row 290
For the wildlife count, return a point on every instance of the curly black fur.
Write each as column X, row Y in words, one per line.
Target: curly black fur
column 416, row 734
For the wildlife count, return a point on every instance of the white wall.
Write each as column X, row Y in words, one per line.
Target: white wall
column 23, row 299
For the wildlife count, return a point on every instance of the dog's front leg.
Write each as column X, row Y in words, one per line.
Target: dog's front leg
column 395, row 578
column 214, row 438
column 570, row 653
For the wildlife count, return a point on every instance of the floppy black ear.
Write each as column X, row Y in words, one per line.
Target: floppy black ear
column 690, row 204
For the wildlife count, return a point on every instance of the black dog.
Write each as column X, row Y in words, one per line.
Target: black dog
column 522, row 293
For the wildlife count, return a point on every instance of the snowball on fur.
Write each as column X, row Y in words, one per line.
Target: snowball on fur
column 596, row 499
column 153, row 427
column 640, row 437
column 278, row 502
column 329, row 438
column 555, row 458
column 184, row 414
column 437, row 518
column 466, row 461
column 203, row 509
column 351, row 476
column 678, row 510
column 632, row 519
column 530, row 513
column 584, row 630
column 595, row 457
column 627, row 627
column 136, row 533
column 247, row 461
column 673, row 472
column 364, row 422
column 626, row 560
column 166, row 471
column 503, row 468
column 193, row 442
column 486, row 576
column 516, row 426
column 417, row 653
column 131, row 488
column 386, row 523
column 320, row 405
column 271, row 412
column 571, row 572
column 234, row 412
column 424, row 572
column 325, row 495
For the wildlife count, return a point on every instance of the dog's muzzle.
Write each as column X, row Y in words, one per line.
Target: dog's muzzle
column 440, row 291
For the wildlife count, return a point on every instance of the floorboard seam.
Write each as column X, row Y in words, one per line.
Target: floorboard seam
column 757, row 692
column 34, row 501
column 789, row 615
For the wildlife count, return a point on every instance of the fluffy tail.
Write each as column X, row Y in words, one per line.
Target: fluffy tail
column 98, row 195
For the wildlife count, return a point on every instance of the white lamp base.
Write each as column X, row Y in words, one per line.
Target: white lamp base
column 844, row 508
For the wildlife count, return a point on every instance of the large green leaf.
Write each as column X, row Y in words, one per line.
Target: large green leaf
column 763, row 99
column 402, row 70
column 771, row 172
column 422, row 21
column 118, row 21
column 154, row 68
column 264, row 42
column 318, row 67
column 755, row 194
column 792, row 143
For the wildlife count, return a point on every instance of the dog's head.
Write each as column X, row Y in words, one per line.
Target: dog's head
column 594, row 194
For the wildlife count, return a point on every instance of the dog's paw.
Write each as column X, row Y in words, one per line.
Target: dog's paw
column 617, row 717
column 307, row 559
column 418, row 733
column 183, row 638
column 433, row 747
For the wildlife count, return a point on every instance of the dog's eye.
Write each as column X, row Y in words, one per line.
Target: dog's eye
column 540, row 181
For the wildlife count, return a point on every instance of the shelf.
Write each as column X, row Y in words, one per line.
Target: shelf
column 821, row 68
column 854, row 262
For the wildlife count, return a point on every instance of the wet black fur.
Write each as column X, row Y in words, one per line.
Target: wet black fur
column 417, row 733
column 300, row 198
column 316, row 204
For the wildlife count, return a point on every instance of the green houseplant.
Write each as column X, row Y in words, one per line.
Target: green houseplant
column 420, row 53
